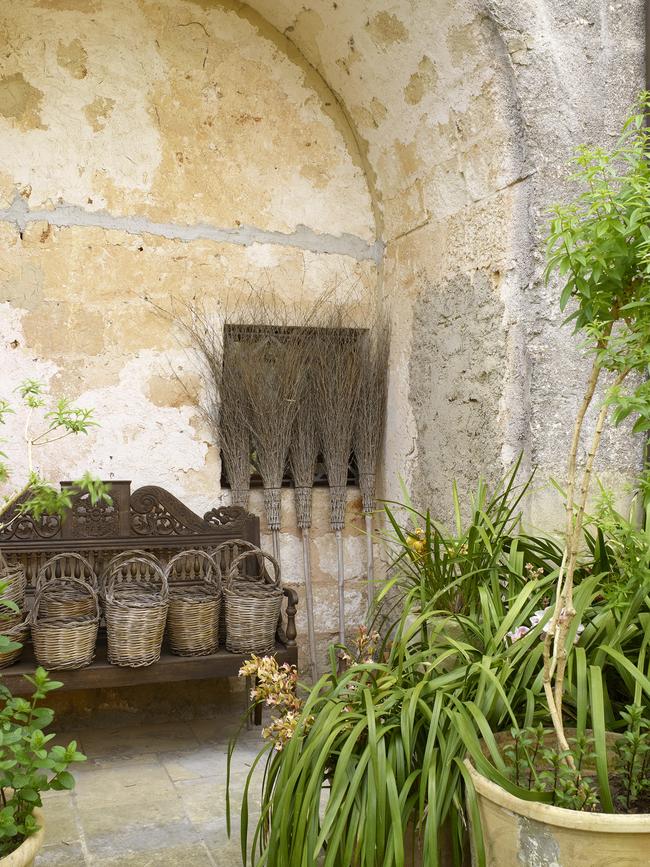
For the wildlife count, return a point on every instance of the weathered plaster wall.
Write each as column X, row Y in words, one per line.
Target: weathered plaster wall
column 466, row 113
column 152, row 153
column 178, row 146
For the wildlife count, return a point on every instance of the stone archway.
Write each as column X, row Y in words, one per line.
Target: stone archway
column 408, row 145
column 466, row 113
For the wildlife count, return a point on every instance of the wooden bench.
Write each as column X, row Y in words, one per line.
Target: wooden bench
column 149, row 519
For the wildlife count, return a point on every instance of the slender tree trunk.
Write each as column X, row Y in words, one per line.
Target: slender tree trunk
column 564, row 612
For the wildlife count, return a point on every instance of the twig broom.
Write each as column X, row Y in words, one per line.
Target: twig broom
column 302, row 457
column 369, row 432
column 337, row 377
column 272, row 380
column 223, row 404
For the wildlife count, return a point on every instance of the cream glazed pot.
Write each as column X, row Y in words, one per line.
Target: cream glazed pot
column 25, row 854
column 517, row 832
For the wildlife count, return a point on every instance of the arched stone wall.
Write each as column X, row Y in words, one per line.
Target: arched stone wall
column 410, row 147
column 466, row 113
column 159, row 151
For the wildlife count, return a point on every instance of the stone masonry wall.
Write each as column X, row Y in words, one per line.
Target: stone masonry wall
column 408, row 149
column 150, row 154
column 466, row 114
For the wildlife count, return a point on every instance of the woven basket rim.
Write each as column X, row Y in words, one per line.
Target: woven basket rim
column 235, row 578
column 249, row 547
column 23, row 626
column 85, row 586
column 194, row 598
column 196, row 552
column 127, row 555
column 139, row 603
column 41, row 593
column 65, row 623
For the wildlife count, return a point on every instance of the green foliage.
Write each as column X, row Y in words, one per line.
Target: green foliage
column 28, row 765
column 38, row 497
column 383, row 740
column 633, row 753
column 377, row 750
column 532, row 763
column 45, row 499
column 429, row 563
column 6, row 644
column 599, row 245
column 620, row 549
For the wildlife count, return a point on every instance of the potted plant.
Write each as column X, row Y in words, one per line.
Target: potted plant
column 28, row 764
column 28, row 767
column 599, row 244
column 362, row 769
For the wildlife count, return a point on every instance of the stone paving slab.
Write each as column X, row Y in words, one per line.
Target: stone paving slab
column 150, row 795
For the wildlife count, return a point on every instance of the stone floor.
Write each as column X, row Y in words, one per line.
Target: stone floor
column 150, row 794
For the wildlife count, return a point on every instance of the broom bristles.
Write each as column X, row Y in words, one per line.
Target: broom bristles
column 272, row 381
column 337, row 379
column 223, row 402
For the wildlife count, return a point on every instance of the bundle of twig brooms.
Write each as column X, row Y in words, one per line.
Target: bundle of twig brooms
column 223, row 403
column 283, row 386
column 272, row 381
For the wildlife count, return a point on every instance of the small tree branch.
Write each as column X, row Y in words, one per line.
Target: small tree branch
column 564, row 612
column 13, row 499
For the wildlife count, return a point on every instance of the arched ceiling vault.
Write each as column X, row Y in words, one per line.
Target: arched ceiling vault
column 423, row 88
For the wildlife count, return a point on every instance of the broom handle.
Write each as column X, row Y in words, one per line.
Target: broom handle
column 341, row 581
column 275, row 538
column 306, row 564
column 370, row 558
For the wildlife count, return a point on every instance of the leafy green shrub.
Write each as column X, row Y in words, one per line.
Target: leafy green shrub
column 35, row 495
column 599, row 248
column 371, row 758
column 28, row 766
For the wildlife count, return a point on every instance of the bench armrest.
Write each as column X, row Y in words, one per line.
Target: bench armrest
column 290, row 632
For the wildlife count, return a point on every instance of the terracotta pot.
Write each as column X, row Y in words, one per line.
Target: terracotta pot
column 517, row 832
column 25, row 854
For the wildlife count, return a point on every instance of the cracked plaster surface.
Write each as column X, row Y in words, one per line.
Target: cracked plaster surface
column 408, row 147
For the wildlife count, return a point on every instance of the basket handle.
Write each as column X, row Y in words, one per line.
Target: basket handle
column 196, row 552
column 117, row 561
column 85, row 585
column 249, row 548
column 109, row 587
column 262, row 554
column 40, row 577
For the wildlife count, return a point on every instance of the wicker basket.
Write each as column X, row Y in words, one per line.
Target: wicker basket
column 64, row 643
column 14, row 576
column 194, row 605
column 19, row 633
column 135, row 615
column 252, row 608
column 227, row 552
column 64, row 596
